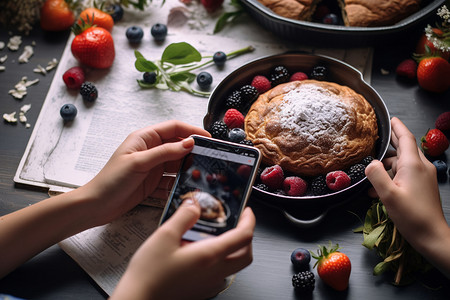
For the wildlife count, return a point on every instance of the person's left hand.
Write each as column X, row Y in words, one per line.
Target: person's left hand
column 135, row 170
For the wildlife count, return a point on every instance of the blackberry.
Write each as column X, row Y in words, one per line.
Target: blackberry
column 262, row 187
column 248, row 93
column 234, row 100
column 356, row 172
column 88, row 91
column 367, row 160
column 246, row 142
column 219, row 130
column 319, row 186
column 279, row 75
column 304, row 281
column 319, row 73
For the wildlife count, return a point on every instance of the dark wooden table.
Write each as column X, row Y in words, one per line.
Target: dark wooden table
column 53, row 275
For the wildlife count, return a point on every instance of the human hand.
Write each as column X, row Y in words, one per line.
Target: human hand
column 163, row 268
column 135, row 170
column 411, row 197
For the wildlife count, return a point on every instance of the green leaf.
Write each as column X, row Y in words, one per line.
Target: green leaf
column 144, row 65
column 185, row 76
column 380, row 268
column 180, row 53
column 226, row 18
column 144, row 85
column 371, row 238
column 138, row 54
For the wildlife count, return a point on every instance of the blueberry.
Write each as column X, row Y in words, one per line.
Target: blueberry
column 117, row 12
column 68, row 112
column 204, row 80
column 134, row 34
column 441, row 168
column 219, row 58
column 236, row 135
column 300, row 257
column 159, row 31
column 149, row 77
column 331, row 19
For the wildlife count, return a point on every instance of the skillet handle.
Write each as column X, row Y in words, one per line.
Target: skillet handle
column 304, row 223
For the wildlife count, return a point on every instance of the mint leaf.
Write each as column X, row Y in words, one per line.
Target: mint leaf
column 180, row 53
column 143, row 65
column 189, row 77
column 225, row 19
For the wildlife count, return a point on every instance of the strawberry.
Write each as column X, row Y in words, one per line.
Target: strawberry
column 211, row 5
column 298, row 76
column 407, row 69
column 425, row 46
column 443, row 121
column 333, row 267
column 433, row 74
column 261, row 83
column 56, row 15
column 434, row 142
column 93, row 46
column 97, row 17
column 233, row 118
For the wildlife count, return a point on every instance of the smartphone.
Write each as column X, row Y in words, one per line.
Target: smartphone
column 220, row 176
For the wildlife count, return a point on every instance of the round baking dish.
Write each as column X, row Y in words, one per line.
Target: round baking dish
column 307, row 210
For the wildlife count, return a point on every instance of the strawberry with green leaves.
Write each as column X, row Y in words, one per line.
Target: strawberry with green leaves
column 333, row 267
column 434, row 142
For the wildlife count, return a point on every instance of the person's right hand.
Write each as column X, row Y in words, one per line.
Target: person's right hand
column 412, row 197
column 166, row 268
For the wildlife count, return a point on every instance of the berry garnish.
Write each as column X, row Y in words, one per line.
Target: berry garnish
column 261, row 83
column 196, row 174
column 337, row 180
column 300, row 258
column 68, row 112
column 116, row 12
column 319, row 186
column 356, row 172
column 149, row 77
column 219, row 58
column 304, row 282
column 331, row 19
column 279, row 75
column 298, row 76
column 434, row 143
column 248, row 93
column 204, row 80
column 367, row 160
column 134, row 34
column 74, row 77
column 294, row 186
column 88, row 91
column 273, row 177
column 262, row 187
column 234, row 100
column 443, row 121
column 219, row 130
column 441, row 168
column 211, row 5
column 236, row 135
column 407, row 69
column 159, row 31
column 234, row 118
column 246, row 142
column 319, row 73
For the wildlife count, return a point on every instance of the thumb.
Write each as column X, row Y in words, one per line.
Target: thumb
column 184, row 217
column 379, row 178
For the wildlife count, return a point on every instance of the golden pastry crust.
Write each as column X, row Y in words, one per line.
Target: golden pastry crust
column 369, row 13
column 292, row 9
column 211, row 208
column 312, row 127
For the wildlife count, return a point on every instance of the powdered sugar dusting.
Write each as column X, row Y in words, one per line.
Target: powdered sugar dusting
column 313, row 112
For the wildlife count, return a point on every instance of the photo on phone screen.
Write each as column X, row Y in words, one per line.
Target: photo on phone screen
column 219, row 175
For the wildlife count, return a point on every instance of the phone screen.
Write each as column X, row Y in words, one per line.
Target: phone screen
column 219, row 175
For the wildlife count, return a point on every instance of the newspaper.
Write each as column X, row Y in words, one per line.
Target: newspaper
column 61, row 157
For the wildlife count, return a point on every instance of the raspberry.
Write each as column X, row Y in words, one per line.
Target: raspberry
column 443, row 121
column 211, row 5
column 279, row 75
column 234, row 100
column 319, row 186
column 273, row 177
column 319, row 73
column 337, row 180
column 233, row 118
column 74, row 77
column 261, row 83
column 88, row 91
column 356, row 172
column 304, row 281
column 298, row 76
column 294, row 186
column 407, row 69
column 219, row 130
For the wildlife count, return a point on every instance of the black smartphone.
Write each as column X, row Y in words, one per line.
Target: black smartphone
column 219, row 175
